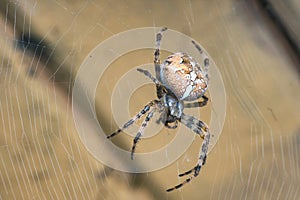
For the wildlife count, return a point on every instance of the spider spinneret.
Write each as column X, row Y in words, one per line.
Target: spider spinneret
column 179, row 78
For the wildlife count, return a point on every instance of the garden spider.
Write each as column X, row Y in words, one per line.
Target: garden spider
column 179, row 78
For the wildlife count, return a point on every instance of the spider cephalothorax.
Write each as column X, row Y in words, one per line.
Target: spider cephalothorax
column 179, row 79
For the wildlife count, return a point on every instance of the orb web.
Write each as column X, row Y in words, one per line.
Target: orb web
column 41, row 155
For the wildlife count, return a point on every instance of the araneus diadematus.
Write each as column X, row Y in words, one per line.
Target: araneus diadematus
column 179, row 78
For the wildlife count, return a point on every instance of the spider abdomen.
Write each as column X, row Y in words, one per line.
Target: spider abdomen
column 183, row 76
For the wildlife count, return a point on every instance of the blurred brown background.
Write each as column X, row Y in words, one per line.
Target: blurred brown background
column 255, row 45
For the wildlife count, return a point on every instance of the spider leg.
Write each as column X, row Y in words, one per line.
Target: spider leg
column 200, row 128
column 205, row 59
column 141, row 131
column 149, row 75
column 158, row 41
column 159, row 88
column 198, row 103
column 180, row 185
column 131, row 121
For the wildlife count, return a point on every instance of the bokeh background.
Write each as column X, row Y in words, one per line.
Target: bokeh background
column 255, row 45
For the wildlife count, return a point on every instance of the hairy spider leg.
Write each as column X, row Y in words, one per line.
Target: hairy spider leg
column 141, row 131
column 159, row 88
column 198, row 103
column 158, row 41
column 131, row 121
column 200, row 128
column 181, row 184
column 204, row 58
column 149, row 75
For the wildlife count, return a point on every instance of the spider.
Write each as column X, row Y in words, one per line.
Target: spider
column 179, row 79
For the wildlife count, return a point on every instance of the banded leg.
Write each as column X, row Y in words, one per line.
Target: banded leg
column 200, row 128
column 205, row 59
column 149, row 75
column 131, row 121
column 159, row 88
column 158, row 41
column 198, row 103
column 141, row 131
